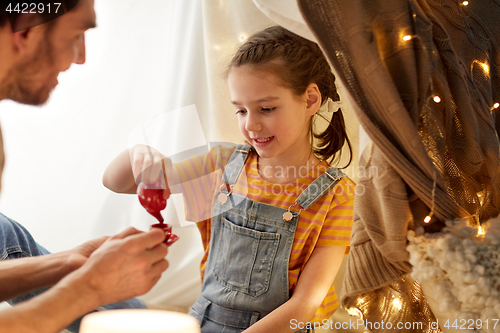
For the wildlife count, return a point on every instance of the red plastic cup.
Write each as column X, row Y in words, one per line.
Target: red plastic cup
column 170, row 238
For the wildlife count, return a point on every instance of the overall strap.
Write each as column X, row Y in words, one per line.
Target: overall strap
column 319, row 187
column 235, row 164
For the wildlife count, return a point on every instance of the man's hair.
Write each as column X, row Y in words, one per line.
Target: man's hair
column 3, row 14
column 14, row 13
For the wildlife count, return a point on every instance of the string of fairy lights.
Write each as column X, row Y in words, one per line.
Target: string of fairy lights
column 396, row 300
column 437, row 99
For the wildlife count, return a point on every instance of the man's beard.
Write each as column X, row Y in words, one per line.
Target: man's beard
column 23, row 77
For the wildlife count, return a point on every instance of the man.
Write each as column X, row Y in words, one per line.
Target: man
column 101, row 271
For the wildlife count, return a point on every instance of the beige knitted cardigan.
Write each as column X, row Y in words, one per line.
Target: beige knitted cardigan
column 425, row 75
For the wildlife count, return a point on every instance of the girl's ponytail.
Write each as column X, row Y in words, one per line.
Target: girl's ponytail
column 332, row 139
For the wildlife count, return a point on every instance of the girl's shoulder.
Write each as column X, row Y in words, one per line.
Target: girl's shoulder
column 220, row 154
column 203, row 161
column 344, row 190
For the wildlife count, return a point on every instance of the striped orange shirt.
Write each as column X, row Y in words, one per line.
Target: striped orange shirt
column 328, row 222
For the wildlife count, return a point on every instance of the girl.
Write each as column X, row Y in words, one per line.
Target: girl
column 275, row 217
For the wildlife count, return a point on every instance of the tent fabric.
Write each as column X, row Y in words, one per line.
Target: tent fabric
column 425, row 75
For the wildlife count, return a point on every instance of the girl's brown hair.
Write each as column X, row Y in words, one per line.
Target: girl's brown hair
column 298, row 62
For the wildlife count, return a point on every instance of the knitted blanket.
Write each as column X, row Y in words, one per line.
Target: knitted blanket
column 425, row 75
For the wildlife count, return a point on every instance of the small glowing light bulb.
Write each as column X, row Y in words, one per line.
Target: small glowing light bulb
column 465, row 3
column 427, row 219
column 496, row 105
column 437, row 99
column 480, row 231
column 397, row 303
column 407, row 37
column 486, row 68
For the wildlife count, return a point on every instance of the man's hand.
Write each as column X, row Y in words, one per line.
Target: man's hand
column 79, row 255
column 116, row 269
column 22, row 275
column 126, row 265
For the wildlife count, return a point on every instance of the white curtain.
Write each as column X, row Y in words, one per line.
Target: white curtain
column 145, row 61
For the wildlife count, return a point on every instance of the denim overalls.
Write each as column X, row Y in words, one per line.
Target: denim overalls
column 246, row 275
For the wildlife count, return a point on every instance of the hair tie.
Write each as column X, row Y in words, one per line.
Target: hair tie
column 330, row 106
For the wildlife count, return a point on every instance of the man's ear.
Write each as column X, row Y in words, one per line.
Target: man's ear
column 20, row 40
column 25, row 21
column 313, row 96
column 24, row 39
column 23, row 31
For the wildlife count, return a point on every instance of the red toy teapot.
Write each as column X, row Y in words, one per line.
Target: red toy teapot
column 154, row 202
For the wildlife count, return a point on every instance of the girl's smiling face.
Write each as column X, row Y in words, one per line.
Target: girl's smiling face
column 271, row 117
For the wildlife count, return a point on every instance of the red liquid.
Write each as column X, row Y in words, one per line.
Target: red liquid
column 154, row 202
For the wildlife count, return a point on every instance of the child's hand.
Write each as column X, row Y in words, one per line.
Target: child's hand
column 147, row 166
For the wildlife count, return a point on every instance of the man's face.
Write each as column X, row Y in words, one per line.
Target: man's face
column 61, row 43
